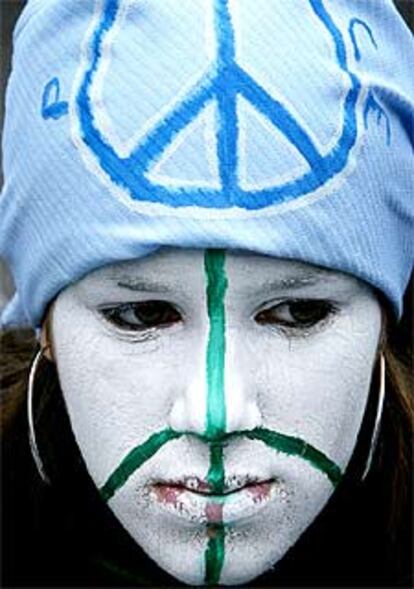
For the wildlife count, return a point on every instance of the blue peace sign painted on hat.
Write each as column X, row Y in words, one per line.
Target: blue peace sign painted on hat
column 225, row 81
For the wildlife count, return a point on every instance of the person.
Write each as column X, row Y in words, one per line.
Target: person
column 207, row 212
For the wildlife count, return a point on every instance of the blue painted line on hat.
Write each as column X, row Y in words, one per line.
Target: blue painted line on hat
column 227, row 139
column 164, row 133
column 226, row 43
column 226, row 94
column 279, row 116
column 321, row 12
column 372, row 104
column 357, row 21
column 110, row 162
column 222, row 83
column 52, row 106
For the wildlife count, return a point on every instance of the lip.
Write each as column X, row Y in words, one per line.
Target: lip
column 193, row 499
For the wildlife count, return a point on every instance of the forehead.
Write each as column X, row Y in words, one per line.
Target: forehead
column 175, row 269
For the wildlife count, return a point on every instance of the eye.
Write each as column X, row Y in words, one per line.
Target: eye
column 141, row 316
column 298, row 313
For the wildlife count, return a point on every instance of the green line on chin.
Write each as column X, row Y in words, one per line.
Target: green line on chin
column 214, row 556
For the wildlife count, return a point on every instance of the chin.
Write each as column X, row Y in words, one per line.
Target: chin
column 235, row 550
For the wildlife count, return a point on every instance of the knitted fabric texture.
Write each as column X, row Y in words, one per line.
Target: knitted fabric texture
column 278, row 127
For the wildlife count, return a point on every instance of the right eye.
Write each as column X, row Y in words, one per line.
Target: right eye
column 141, row 316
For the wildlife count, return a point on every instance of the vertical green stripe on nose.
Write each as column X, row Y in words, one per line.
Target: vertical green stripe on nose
column 214, row 261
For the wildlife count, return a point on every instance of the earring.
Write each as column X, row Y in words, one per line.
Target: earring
column 31, row 424
column 378, row 416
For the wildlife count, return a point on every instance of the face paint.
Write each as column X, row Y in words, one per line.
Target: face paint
column 216, row 288
column 217, row 422
column 216, row 409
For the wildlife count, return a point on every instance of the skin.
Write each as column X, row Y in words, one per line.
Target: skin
column 218, row 422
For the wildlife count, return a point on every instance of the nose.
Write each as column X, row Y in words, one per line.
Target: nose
column 220, row 397
column 188, row 412
column 241, row 395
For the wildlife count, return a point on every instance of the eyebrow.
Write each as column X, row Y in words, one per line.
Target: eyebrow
column 139, row 285
column 295, row 282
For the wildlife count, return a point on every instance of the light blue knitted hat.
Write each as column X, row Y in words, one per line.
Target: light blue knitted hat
column 283, row 127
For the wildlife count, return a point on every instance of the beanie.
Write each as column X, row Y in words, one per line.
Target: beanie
column 279, row 127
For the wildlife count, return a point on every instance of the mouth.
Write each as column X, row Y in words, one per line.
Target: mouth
column 193, row 499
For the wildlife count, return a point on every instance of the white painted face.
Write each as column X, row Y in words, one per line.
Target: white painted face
column 216, row 399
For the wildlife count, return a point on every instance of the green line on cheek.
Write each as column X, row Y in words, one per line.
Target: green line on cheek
column 134, row 460
column 214, row 261
column 297, row 447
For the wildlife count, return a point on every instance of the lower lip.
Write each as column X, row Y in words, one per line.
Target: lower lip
column 203, row 508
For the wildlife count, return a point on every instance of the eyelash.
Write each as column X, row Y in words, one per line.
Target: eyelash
column 167, row 315
column 315, row 313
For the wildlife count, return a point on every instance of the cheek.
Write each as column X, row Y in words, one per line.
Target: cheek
column 316, row 388
column 116, row 393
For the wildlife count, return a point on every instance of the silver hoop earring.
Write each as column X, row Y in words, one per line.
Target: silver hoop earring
column 32, row 433
column 378, row 417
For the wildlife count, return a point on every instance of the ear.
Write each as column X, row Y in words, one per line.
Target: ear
column 46, row 339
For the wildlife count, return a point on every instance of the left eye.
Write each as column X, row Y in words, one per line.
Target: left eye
column 140, row 316
column 300, row 313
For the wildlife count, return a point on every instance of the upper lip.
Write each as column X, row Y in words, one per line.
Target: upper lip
column 202, row 487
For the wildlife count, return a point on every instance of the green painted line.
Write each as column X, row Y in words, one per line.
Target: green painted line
column 215, row 430
column 280, row 442
column 297, row 447
column 215, row 476
column 214, row 265
column 214, row 261
column 134, row 460
column 214, row 556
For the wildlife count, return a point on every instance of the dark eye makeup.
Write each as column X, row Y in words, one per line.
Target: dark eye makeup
column 290, row 314
column 297, row 313
column 143, row 315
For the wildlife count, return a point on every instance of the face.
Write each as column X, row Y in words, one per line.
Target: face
column 216, row 399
